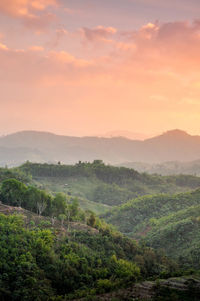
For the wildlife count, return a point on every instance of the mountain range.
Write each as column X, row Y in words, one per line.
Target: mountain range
column 175, row 145
column 125, row 134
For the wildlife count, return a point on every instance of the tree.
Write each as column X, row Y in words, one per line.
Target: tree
column 91, row 220
column 31, row 197
column 43, row 202
column 62, row 217
column 13, row 192
column 59, row 204
column 74, row 208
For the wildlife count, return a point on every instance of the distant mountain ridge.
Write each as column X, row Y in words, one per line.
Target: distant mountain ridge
column 175, row 145
column 126, row 134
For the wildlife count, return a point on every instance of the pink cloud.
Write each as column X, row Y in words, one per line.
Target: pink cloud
column 36, row 48
column 32, row 12
column 3, row 47
column 36, row 67
column 59, row 34
column 174, row 46
column 157, row 55
column 151, row 74
column 98, row 33
column 25, row 8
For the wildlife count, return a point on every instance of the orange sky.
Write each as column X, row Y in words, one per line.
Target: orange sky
column 69, row 68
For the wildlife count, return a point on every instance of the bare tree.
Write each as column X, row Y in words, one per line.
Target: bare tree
column 41, row 206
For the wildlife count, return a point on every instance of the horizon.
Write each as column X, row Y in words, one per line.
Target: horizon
column 72, row 68
column 106, row 135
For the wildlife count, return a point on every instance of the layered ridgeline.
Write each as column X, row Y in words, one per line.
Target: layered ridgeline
column 173, row 145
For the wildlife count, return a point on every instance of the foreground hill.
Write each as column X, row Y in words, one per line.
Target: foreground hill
column 44, row 261
column 46, row 147
column 41, row 261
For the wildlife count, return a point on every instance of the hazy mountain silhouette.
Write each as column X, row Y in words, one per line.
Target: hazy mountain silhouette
column 125, row 134
column 175, row 145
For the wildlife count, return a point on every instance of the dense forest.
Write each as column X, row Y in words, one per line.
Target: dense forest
column 169, row 222
column 54, row 248
column 42, row 259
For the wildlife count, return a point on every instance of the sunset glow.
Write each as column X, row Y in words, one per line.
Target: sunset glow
column 88, row 67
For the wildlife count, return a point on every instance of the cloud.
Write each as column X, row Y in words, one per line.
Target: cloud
column 59, row 34
column 169, row 46
column 71, row 11
column 162, row 57
column 36, row 48
column 3, row 47
column 99, row 33
column 32, row 12
column 185, row 5
column 149, row 74
column 64, row 57
column 35, row 66
column 25, row 8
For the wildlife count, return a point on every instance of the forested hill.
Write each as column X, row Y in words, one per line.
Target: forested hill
column 44, row 259
column 168, row 222
column 51, row 249
column 46, row 147
column 105, row 184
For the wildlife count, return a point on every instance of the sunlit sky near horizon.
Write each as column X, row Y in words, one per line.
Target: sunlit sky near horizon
column 88, row 67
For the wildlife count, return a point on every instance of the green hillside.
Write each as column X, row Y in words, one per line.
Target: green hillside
column 45, row 261
column 122, row 197
column 134, row 216
column 105, row 184
column 179, row 235
column 168, row 222
column 52, row 249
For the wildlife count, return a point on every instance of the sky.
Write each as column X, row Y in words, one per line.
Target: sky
column 88, row 67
